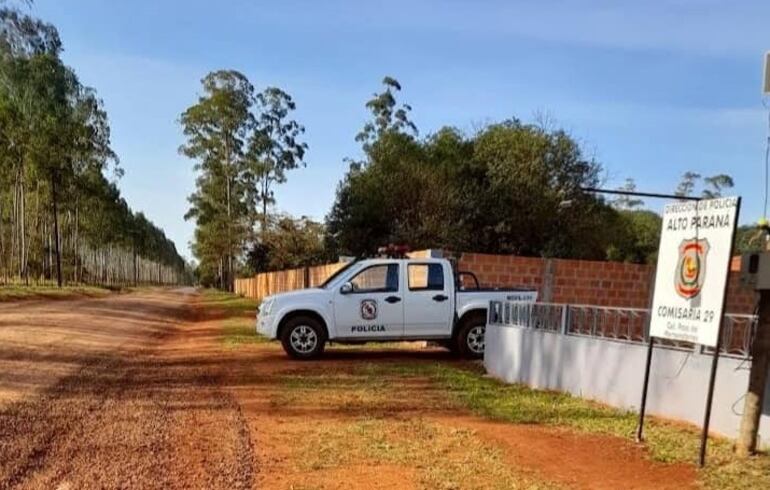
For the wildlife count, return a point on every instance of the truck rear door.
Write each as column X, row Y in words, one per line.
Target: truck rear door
column 428, row 303
column 375, row 307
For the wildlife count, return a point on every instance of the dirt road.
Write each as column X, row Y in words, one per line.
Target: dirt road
column 98, row 396
column 140, row 391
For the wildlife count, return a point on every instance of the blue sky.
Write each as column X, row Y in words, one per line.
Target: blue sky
column 651, row 89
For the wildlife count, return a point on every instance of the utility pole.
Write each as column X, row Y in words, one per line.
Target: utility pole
column 746, row 444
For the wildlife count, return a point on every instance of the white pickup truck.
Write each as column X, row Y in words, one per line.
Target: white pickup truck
column 378, row 300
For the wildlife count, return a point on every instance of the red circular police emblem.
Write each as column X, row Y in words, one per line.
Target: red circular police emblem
column 368, row 309
column 691, row 267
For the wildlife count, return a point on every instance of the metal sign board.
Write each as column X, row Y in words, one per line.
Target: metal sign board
column 693, row 265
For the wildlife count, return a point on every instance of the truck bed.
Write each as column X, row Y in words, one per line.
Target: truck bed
column 479, row 298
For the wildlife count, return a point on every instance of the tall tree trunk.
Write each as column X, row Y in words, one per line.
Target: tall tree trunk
column 44, row 251
column 2, row 235
column 56, row 229
column 76, row 246
column 23, row 229
column 15, row 227
column 228, row 184
column 264, row 209
column 36, row 230
column 221, row 279
column 49, row 237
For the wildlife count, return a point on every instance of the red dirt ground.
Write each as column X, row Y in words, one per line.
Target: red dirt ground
column 138, row 391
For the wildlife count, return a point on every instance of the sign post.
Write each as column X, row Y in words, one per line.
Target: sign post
column 717, row 348
column 696, row 246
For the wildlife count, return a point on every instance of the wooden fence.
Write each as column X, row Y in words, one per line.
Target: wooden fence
column 268, row 283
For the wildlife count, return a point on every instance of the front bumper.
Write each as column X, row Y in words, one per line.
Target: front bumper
column 266, row 326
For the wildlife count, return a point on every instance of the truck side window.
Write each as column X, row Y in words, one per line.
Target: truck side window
column 426, row 277
column 376, row 279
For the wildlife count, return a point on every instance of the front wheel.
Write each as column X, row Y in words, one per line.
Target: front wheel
column 303, row 338
column 471, row 335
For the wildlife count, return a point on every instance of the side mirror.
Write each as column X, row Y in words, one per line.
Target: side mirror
column 346, row 288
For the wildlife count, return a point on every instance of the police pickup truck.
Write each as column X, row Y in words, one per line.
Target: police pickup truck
column 378, row 300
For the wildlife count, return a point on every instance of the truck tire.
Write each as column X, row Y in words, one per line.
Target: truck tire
column 303, row 337
column 469, row 341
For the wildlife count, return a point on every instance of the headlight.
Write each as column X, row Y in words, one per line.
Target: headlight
column 266, row 307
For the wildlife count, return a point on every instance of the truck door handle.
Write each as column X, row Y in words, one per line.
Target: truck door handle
column 392, row 299
column 440, row 297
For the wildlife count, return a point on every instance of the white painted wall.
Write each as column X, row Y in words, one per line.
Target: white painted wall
column 612, row 372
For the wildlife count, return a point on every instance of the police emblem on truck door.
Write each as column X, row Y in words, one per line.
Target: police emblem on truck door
column 368, row 309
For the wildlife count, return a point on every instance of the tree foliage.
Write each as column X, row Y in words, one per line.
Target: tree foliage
column 387, row 115
column 498, row 190
column 243, row 144
column 711, row 187
column 627, row 202
column 716, row 184
column 274, row 147
column 750, row 239
column 635, row 237
column 288, row 243
column 60, row 215
column 216, row 128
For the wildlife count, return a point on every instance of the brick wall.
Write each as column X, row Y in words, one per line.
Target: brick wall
column 504, row 270
column 601, row 283
column 557, row 280
column 586, row 282
column 740, row 298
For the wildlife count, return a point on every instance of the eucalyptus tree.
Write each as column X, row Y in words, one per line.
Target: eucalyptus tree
column 54, row 156
column 716, row 184
column 55, row 132
column 21, row 34
column 36, row 93
column 712, row 188
column 687, row 184
column 373, row 194
column 274, row 147
column 216, row 129
column 627, row 202
column 243, row 144
column 387, row 115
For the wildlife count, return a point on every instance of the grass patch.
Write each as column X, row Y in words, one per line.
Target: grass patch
column 19, row 292
column 237, row 317
column 667, row 442
column 441, row 457
column 372, row 433
column 346, row 392
column 230, row 304
column 238, row 332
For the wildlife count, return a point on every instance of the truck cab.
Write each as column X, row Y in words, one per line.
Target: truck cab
column 380, row 300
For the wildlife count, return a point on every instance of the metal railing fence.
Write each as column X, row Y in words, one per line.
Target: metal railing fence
column 612, row 323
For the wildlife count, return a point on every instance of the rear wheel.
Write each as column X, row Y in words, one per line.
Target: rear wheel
column 303, row 337
column 470, row 339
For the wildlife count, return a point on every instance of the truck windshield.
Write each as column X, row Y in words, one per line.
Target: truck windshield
column 337, row 274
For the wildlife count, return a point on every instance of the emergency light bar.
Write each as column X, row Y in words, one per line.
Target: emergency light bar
column 392, row 251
